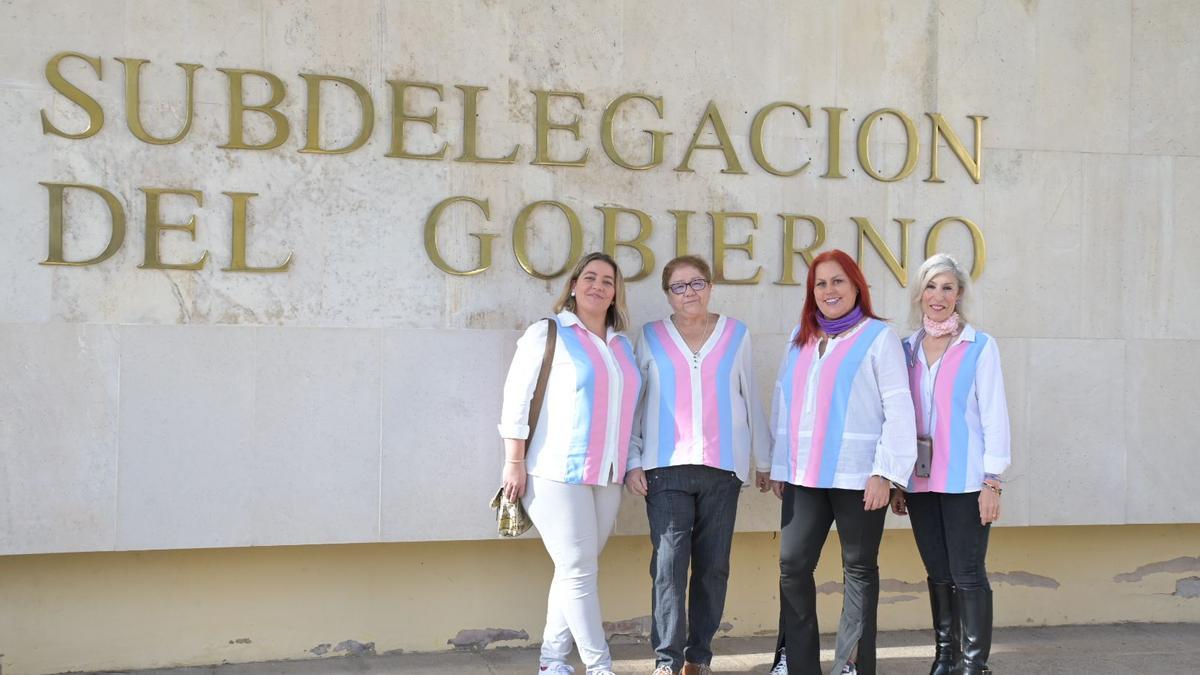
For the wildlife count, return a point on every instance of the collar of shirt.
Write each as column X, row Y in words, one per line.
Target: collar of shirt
column 967, row 335
column 568, row 318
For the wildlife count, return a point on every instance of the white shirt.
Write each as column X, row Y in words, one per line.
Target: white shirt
column 583, row 433
column 840, row 417
column 699, row 407
column 971, row 386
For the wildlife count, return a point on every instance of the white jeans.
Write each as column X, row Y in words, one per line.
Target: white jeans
column 574, row 521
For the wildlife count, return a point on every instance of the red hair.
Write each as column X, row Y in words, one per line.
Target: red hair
column 809, row 328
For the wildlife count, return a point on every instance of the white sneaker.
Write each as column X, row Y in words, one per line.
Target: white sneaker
column 849, row 669
column 663, row 670
column 781, row 667
column 556, row 669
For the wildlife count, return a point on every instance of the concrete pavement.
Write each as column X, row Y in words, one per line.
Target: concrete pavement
column 1120, row 649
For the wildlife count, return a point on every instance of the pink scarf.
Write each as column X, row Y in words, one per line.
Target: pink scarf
column 941, row 328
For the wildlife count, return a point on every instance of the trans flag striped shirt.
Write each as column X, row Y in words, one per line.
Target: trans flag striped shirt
column 961, row 399
column 582, row 436
column 699, row 408
column 844, row 416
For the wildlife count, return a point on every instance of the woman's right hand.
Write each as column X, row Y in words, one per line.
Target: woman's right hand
column 513, row 479
column 899, row 505
column 635, row 482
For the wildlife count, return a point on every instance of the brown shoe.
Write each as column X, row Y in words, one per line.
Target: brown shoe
column 696, row 669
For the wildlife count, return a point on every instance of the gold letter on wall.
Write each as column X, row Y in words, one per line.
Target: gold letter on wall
column 117, row 213
column 133, row 101
column 864, row 140
column 471, row 130
column 942, row 129
column 238, row 108
column 788, row 278
column 720, row 246
column 756, row 139
column 656, row 137
column 365, row 105
column 521, row 237
column 94, row 112
column 485, row 240
column 154, row 227
column 543, row 127
column 712, row 116
column 977, row 243
column 400, row 117
column 638, row 243
column 237, row 262
column 867, row 231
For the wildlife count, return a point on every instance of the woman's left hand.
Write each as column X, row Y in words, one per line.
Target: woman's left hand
column 989, row 506
column 878, row 493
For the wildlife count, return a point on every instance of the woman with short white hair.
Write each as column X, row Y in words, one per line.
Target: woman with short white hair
column 962, row 448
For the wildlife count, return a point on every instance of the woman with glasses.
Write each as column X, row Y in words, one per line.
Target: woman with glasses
column 698, row 425
column 843, row 427
column 570, row 478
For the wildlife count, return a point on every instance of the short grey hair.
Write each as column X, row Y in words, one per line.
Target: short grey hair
column 939, row 263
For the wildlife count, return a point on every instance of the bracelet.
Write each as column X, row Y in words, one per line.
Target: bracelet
column 994, row 488
column 515, row 461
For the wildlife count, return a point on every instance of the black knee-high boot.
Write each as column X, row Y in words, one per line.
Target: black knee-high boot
column 945, row 628
column 975, row 608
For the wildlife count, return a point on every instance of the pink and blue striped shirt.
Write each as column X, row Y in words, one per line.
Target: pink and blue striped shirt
column 699, row 408
column 959, row 402
column 840, row 417
column 582, row 436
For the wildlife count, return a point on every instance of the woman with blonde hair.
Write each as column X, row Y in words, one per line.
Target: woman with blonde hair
column 569, row 478
column 963, row 441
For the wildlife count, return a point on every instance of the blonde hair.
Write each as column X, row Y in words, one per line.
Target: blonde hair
column 939, row 263
column 617, row 316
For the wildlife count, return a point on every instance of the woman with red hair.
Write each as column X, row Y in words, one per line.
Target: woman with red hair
column 843, row 429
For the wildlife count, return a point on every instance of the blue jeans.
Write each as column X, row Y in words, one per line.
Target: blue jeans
column 691, row 509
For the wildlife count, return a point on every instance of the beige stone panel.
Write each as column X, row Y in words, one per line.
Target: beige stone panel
column 573, row 47
column 1165, row 78
column 456, row 43
column 1132, row 249
column 886, row 58
column 376, row 270
column 31, row 32
column 24, row 219
column 1077, row 432
column 744, row 56
column 316, row 434
column 1163, row 427
column 1019, row 482
column 987, row 65
column 1182, row 312
column 187, row 32
column 58, row 437
column 190, row 476
column 442, row 454
column 1032, row 215
column 1083, row 76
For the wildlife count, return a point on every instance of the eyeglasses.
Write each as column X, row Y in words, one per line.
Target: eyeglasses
column 681, row 287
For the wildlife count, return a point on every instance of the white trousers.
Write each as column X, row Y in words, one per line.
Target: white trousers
column 574, row 521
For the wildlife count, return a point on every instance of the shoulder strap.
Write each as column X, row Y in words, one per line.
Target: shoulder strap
column 539, row 391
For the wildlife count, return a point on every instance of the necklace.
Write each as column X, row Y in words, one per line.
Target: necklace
column 703, row 335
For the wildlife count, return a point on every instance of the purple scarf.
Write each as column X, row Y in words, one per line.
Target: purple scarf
column 840, row 325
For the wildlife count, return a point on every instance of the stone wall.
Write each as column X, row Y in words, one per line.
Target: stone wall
column 353, row 397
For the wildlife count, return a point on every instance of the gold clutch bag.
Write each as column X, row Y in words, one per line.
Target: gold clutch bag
column 511, row 518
